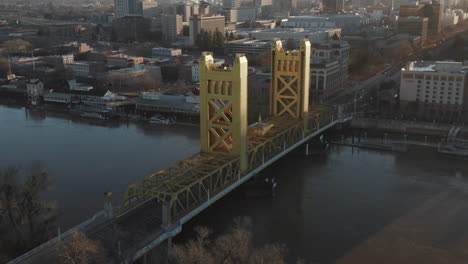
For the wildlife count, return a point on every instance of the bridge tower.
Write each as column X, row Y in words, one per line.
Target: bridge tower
column 290, row 81
column 223, row 108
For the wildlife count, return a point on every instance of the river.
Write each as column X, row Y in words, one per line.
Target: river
column 326, row 204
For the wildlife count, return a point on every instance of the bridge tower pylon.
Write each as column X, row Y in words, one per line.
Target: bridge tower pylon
column 223, row 108
column 290, row 81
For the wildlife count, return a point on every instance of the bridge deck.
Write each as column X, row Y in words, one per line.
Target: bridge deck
column 189, row 187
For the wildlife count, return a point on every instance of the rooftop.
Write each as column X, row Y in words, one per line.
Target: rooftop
column 435, row 66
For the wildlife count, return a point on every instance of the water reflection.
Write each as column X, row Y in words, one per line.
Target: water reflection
column 88, row 158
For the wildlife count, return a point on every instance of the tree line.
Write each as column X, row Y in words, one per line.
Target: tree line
column 207, row 40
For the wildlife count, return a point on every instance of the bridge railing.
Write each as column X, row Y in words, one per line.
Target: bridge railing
column 50, row 244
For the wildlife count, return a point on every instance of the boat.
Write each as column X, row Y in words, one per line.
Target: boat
column 162, row 120
column 93, row 115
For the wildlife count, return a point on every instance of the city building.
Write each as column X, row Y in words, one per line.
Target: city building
column 332, row 6
column 128, row 7
column 451, row 18
column 122, row 60
column 165, row 52
column 416, row 26
column 434, row 91
column 65, row 30
column 185, row 10
column 231, row 3
column 318, row 35
column 349, row 24
column 131, row 28
column 205, row 23
column 149, row 8
column 329, row 67
column 434, row 13
column 439, row 82
column 250, row 47
column 34, row 91
column 196, row 69
column 240, row 14
column 86, row 69
column 127, row 73
column 171, row 26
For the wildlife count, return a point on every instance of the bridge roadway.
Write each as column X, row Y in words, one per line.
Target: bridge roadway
column 143, row 223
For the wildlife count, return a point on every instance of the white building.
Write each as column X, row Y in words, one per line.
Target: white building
column 450, row 19
column 196, row 69
column 165, row 52
column 440, row 82
column 349, row 24
column 34, row 90
column 128, row 7
column 329, row 67
column 316, row 35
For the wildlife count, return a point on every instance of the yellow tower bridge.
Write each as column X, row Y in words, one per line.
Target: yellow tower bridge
column 231, row 151
column 154, row 209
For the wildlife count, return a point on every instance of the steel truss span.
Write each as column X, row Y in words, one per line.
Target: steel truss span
column 189, row 183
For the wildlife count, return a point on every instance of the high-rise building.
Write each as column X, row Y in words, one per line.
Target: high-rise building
column 128, row 7
column 171, row 27
column 417, row 26
column 130, row 28
column 332, row 6
column 231, row 3
column 206, row 23
column 149, row 8
column 434, row 12
column 184, row 9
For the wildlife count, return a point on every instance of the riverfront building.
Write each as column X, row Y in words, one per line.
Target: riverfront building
column 440, row 87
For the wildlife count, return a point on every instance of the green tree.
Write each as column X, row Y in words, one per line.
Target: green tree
column 218, row 39
column 231, row 36
column 207, row 43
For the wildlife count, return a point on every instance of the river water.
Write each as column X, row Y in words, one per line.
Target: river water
column 326, row 204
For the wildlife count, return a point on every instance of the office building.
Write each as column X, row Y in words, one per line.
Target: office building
column 314, row 35
column 332, row 6
column 329, row 67
column 171, row 26
column 205, row 23
column 250, row 47
column 149, row 8
column 434, row 13
column 128, row 7
column 440, row 82
column 416, row 26
column 165, row 52
column 231, row 3
column 349, row 24
column 131, row 28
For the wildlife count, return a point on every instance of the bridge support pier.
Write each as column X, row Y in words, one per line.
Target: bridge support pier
column 166, row 216
column 307, row 149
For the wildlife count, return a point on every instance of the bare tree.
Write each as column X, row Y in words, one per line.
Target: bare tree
column 233, row 247
column 25, row 218
column 17, row 45
column 4, row 68
column 79, row 249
